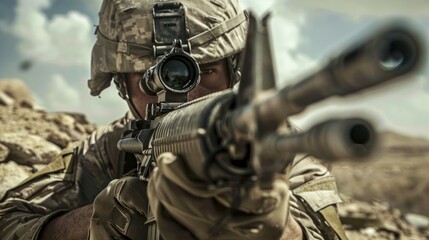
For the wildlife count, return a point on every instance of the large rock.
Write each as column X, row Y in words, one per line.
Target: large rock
column 69, row 127
column 5, row 100
column 30, row 135
column 11, row 174
column 417, row 220
column 29, row 149
column 378, row 221
column 65, row 123
column 4, row 152
column 58, row 137
column 60, row 129
column 18, row 91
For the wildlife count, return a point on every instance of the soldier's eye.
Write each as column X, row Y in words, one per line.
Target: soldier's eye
column 206, row 71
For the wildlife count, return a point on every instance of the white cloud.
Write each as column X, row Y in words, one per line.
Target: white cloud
column 284, row 26
column 4, row 26
column 71, row 38
column 286, row 38
column 70, row 94
column 257, row 7
column 93, row 5
column 61, row 96
column 61, row 45
column 370, row 7
column 62, row 40
column 105, row 109
column 400, row 107
column 405, row 106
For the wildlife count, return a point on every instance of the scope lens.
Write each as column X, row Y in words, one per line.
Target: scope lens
column 176, row 74
column 393, row 56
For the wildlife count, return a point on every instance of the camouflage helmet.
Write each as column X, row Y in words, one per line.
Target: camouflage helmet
column 217, row 29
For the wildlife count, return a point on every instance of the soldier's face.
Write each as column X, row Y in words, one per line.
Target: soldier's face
column 214, row 78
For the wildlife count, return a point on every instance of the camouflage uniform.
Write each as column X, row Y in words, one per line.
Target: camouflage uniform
column 78, row 175
column 74, row 179
column 124, row 45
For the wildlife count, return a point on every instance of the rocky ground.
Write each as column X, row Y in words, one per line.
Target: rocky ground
column 392, row 187
column 30, row 137
column 384, row 198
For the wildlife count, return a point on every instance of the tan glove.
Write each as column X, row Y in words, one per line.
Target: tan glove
column 120, row 210
column 186, row 207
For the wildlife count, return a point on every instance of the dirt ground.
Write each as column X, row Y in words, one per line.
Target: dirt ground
column 397, row 174
column 391, row 186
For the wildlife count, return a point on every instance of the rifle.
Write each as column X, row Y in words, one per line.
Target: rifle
column 229, row 134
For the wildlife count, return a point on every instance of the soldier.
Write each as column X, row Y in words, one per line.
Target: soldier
column 72, row 195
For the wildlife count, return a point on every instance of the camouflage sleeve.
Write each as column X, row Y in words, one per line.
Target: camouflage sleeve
column 74, row 179
column 313, row 191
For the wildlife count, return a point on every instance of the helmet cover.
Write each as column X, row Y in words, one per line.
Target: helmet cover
column 217, row 30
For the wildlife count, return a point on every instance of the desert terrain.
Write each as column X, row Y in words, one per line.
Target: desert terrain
column 385, row 197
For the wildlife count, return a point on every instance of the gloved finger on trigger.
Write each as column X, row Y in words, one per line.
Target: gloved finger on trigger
column 168, row 226
column 103, row 201
column 128, row 222
column 132, row 193
column 175, row 169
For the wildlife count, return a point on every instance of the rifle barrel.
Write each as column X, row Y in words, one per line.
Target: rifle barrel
column 351, row 138
column 389, row 53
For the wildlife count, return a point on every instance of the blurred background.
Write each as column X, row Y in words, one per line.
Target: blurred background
column 47, row 44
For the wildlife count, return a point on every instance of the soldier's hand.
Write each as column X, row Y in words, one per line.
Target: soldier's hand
column 185, row 208
column 120, row 210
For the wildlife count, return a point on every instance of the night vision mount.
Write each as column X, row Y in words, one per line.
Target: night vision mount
column 176, row 72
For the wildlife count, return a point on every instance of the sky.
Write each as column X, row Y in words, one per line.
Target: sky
column 56, row 36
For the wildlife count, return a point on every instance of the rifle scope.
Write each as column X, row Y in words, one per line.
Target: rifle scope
column 176, row 72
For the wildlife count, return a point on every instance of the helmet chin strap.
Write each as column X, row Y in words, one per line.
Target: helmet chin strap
column 233, row 63
column 121, row 86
